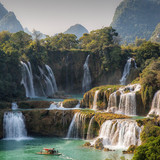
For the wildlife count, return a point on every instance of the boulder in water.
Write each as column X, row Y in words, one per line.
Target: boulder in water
column 99, row 144
column 70, row 103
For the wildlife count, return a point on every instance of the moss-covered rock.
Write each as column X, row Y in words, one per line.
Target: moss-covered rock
column 102, row 97
column 87, row 144
column 48, row 122
column 70, row 103
column 33, row 104
column 99, row 144
column 130, row 150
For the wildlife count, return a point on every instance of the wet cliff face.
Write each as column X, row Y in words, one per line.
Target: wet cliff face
column 48, row 123
column 68, row 70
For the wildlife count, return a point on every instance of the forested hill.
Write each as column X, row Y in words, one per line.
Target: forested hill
column 8, row 21
column 136, row 18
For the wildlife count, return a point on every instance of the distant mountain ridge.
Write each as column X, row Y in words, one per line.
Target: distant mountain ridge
column 136, row 18
column 77, row 29
column 8, row 21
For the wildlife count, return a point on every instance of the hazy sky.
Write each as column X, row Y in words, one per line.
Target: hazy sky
column 54, row 16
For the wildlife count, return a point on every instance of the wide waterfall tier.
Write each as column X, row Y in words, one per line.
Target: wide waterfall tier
column 126, row 71
column 120, row 134
column 155, row 109
column 39, row 84
column 77, row 126
column 14, row 126
column 123, row 101
column 86, row 83
column 27, row 79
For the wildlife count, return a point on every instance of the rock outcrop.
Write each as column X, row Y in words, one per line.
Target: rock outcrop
column 48, row 122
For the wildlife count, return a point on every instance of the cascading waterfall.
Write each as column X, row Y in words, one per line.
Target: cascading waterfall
column 120, row 133
column 126, row 71
column 14, row 126
column 50, row 87
column 86, row 83
column 90, row 129
column 52, row 78
column 155, row 108
column 95, row 100
column 127, row 102
column 77, row 126
column 27, row 79
column 46, row 81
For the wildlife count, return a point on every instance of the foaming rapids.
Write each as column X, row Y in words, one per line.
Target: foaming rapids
column 123, row 101
column 14, row 126
column 120, row 134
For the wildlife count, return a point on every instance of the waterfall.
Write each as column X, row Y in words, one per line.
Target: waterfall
column 120, row 133
column 90, row 129
column 126, row 71
column 14, row 106
column 14, row 126
column 52, row 78
column 155, row 108
column 45, row 85
column 77, row 126
column 86, row 83
column 50, row 87
column 127, row 100
column 27, row 79
column 78, row 105
column 95, row 100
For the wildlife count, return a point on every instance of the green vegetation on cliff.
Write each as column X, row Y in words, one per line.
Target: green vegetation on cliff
column 150, row 148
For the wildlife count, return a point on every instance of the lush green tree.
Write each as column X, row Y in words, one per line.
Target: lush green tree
column 99, row 39
column 61, row 42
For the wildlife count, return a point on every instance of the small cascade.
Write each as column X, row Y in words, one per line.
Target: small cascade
column 126, row 71
column 155, row 108
column 90, row 130
column 86, row 83
column 58, row 106
column 14, row 126
column 95, row 100
column 127, row 100
column 14, row 106
column 27, row 79
column 120, row 133
column 77, row 126
column 78, row 105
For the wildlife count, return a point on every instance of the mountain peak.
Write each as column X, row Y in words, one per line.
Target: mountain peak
column 8, row 21
column 77, row 29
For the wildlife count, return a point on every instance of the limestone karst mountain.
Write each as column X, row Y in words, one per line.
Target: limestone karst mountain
column 8, row 21
column 134, row 18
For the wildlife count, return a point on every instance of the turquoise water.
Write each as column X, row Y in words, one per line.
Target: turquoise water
column 76, row 96
column 70, row 149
